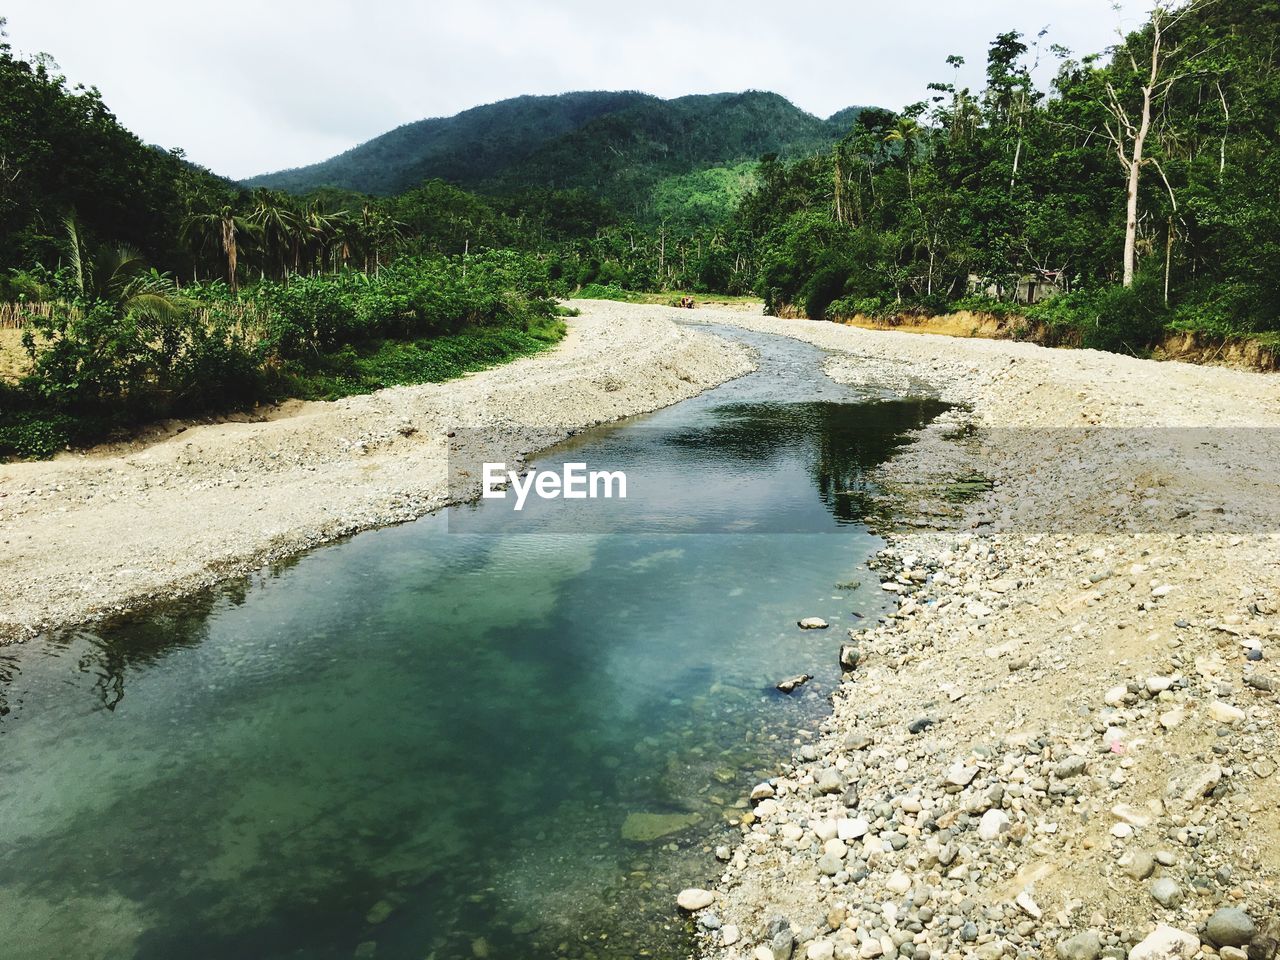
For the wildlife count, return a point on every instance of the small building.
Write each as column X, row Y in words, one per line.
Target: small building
column 1030, row 288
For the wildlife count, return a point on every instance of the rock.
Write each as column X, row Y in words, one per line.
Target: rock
column 920, row 725
column 647, row 827
column 851, row 828
column 829, row 864
column 1230, row 927
column 1166, row 943
column 729, row 935
column 1167, row 893
column 783, row 943
column 1115, row 696
column 898, row 882
column 379, row 912
column 1172, row 719
column 1131, row 815
column 960, row 775
column 1263, row 768
column 480, row 948
column 992, row 824
column 762, row 953
column 1070, row 767
column 813, row 623
column 1159, row 684
column 820, row 950
column 1138, row 864
column 1081, row 946
column 723, row 852
column 1028, row 905
column 1200, row 782
column 762, row 791
column 792, row 683
column 829, row 781
column 850, row 654
column 694, row 898
column 969, row 932
column 1226, row 713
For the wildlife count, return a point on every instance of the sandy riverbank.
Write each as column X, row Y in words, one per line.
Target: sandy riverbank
column 86, row 536
column 1062, row 739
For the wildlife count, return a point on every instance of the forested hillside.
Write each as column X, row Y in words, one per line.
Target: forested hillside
column 617, row 146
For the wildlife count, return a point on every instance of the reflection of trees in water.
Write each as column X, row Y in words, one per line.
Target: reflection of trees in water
column 108, row 656
column 841, row 442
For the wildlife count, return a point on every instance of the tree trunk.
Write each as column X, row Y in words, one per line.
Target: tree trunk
column 1135, row 164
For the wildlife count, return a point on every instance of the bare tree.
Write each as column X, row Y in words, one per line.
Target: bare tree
column 1128, row 133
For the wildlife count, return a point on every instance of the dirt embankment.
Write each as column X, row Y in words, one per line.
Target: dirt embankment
column 1064, row 741
column 86, row 536
column 1187, row 346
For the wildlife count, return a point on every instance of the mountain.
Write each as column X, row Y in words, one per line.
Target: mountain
column 615, row 145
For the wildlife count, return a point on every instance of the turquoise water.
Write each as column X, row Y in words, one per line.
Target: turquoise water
column 462, row 736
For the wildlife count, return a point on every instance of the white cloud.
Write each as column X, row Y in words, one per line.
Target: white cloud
column 248, row 87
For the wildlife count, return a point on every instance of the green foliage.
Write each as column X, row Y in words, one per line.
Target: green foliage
column 1009, row 186
column 600, row 291
column 621, row 146
column 1115, row 318
column 105, row 363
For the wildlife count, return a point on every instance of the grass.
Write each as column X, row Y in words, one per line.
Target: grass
column 398, row 363
column 670, row 298
column 37, row 434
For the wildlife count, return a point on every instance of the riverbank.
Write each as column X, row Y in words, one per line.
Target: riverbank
column 1063, row 742
column 95, row 535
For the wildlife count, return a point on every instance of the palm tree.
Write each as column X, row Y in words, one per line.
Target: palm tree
column 907, row 133
column 119, row 275
column 278, row 223
column 221, row 229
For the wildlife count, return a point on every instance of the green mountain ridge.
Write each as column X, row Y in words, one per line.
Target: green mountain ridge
column 617, row 145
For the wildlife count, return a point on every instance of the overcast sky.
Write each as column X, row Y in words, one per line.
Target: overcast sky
column 247, row 87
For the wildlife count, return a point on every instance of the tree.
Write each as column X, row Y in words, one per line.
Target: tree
column 222, row 230
column 1128, row 127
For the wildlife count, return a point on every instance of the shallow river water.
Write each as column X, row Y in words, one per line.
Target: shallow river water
column 474, row 735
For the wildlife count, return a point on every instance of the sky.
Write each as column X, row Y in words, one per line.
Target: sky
column 249, row 87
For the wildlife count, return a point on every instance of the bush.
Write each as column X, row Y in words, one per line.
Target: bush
column 1118, row 319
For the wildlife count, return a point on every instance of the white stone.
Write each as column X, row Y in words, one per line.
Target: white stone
column 694, row 899
column 1028, row 905
column 821, row 950
column 1122, row 831
column 813, row 623
column 992, row 824
column 835, row 848
column 1173, row 718
column 825, row 829
column 961, row 775
column 1131, row 815
column 1226, row 713
column 762, row 791
column 898, row 882
column 762, row 953
column 1115, row 696
column 729, row 935
column 852, row 829
column 766, row 809
column 1166, row 943
column 1159, row 684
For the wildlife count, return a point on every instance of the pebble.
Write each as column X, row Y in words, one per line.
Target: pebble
column 694, row 898
column 1167, row 893
column 992, row 824
column 813, row 623
column 1166, row 943
column 1082, row 946
column 1226, row 713
column 1230, row 927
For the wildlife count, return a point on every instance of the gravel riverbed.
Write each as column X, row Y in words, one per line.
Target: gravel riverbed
column 1063, row 743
